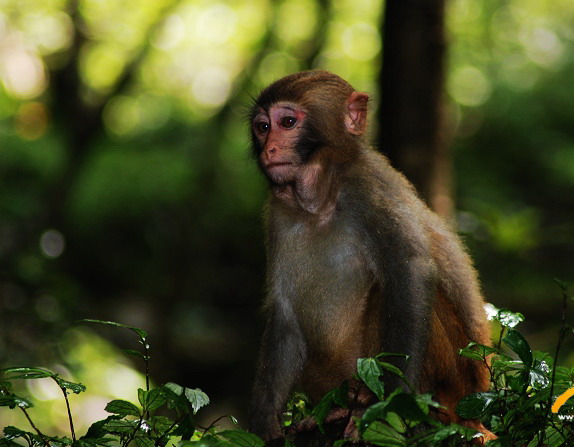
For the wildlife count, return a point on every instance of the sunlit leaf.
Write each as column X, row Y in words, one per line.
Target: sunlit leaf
column 174, row 387
column 508, row 318
column 196, row 398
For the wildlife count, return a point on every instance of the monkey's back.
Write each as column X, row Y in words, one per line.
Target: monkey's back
column 458, row 315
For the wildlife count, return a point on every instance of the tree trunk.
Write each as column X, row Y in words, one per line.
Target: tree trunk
column 411, row 116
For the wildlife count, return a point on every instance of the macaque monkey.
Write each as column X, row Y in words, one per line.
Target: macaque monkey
column 357, row 264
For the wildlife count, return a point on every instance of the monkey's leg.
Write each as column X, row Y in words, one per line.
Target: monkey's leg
column 281, row 360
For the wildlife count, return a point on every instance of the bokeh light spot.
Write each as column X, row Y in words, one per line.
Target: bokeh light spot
column 52, row 243
column 469, row 86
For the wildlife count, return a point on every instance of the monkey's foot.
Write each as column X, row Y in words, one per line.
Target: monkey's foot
column 485, row 434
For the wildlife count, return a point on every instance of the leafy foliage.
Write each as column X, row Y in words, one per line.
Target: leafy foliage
column 143, row 425
column 518, row 408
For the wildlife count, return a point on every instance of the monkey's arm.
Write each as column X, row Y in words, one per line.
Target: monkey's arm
column 281, row 359
column 405, row 274
column 408, row 294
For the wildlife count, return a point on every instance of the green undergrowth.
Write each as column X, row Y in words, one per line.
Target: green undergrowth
column 518, row 408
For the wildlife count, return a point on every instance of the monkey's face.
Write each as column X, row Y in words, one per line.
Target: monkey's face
column 276, row 133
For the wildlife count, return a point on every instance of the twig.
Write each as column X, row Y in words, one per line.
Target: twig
column 69, row 413
column 46, row 443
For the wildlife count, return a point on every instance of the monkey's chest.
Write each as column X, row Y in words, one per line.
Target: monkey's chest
column 331, row 289
column 330, row 283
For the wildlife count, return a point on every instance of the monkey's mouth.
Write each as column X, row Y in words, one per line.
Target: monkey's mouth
column 278, row 165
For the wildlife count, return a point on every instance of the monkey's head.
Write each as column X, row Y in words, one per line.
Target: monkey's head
column 303, row 118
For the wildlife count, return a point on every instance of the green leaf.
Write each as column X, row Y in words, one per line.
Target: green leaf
column 97, row 429
column 12, row 401
column 57, row 441
column 240, row 438
column 205, row 441
column 538, row 375
column 185, row 428
column 322, row 409
column 143, row 441
column 425, row 401
column 26, row 373
column 160, row 424
column 337, row 396
column 122, row 408
column 473, row 405
column 515, row 341
column 120, row 426
column 8, row 401
column 174, row 388
column 341, row 395
column 381, row 434
column 406, row 406
column 396, row 371
column 140, row 332
column 8, row 443
column 374, row 412
column 370, row 371
column 95, row 442
column 76, row 388
column 196, row 398
column 443, row 432
column 152, row 400
column 477, row 351
column 135, row 353
column 13, row 433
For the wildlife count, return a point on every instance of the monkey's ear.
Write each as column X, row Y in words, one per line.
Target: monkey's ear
column 356, row 116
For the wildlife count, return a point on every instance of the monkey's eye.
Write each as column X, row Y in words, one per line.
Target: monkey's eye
column 288, row 122
column 262, row 127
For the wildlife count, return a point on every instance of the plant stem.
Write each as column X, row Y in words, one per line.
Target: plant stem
column 36, row 429
column 70, row 418
column 146, row 361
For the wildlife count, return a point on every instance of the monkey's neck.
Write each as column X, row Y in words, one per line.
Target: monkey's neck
column 315, row 191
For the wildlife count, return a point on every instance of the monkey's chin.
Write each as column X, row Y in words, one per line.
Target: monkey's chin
column 280, row 174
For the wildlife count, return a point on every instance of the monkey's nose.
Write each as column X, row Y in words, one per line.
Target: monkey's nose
column 272, row 150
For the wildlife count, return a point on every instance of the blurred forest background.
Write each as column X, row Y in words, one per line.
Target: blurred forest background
column 127, row 192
